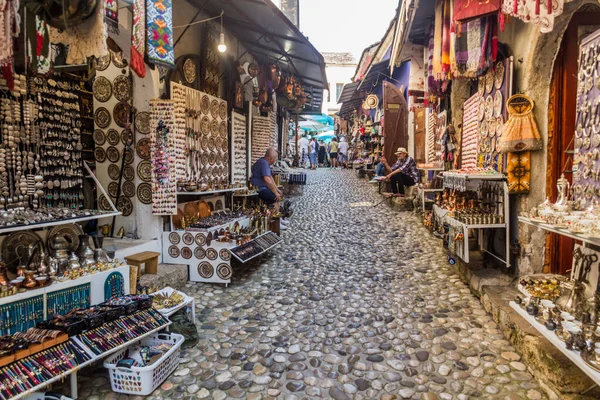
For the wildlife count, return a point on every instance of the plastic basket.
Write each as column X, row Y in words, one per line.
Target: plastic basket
column 46, row 396
column 142, row 381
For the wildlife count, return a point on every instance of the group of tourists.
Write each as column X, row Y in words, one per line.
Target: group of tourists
column 317, row 153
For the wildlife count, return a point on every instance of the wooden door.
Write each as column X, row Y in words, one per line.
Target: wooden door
column 395, row 122
column 419, row 137
column 561, row 127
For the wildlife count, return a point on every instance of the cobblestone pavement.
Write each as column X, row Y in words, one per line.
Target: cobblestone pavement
column 359, row 303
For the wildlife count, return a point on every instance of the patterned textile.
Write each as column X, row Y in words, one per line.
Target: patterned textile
column 476, row 47
column 519, row 172
column 532, row 11
column 138, row 38
column 437, row 39
column 520, row 132
column 465, row 9
column 447, row 21
column 38, row 47
column 112, row 14
column 159, row 22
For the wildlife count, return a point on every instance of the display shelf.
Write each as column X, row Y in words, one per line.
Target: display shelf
column 258, row 254
column 15, row 228
column 423, row 194
column 214, row 228
column 586, row 239
column 551, row 336
column 187, row 301
column 210, row 192
column 246, row 195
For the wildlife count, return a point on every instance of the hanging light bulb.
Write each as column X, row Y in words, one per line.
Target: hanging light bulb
column 222, row 47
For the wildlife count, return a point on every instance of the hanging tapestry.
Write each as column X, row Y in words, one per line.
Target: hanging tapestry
column 112, row 15
column 467, row 9
column 446, row 27
column 537, row 12
column 138, row 38
column 519, row 172
column 159, row 22
column 38, row 46
column 476, row 47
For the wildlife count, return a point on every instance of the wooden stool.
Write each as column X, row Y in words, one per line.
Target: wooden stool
column 148, row 258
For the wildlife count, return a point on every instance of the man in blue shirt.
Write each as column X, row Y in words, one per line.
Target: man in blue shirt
column 263, row 181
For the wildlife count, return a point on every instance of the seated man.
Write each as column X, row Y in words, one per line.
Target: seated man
column 403, row 173
column 263, row 180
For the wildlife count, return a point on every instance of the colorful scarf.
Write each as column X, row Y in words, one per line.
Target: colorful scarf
column 469, row 48
column 447, row 21
column 437, row 39
column 489, row 46
column 39, row 44
column 138, row 38
column 159, row 20
column 111, row 15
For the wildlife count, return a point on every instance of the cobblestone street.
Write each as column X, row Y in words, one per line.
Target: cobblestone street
column 358, row 303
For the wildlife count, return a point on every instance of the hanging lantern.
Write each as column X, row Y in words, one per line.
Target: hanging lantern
column 289, row 89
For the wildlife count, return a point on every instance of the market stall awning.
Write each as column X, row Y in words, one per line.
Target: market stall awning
column 374, row 76
column 270, row 37
column 347, row 92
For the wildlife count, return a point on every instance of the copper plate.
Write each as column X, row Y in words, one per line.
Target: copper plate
column 129, row 189
column 199, row 253
column 214, row 127
column 225, row 255
column 125, row 206
column 188, row 238
column 206, row 270
column 211, row 254
column 190, row 210
column 224, row 271
column 174, row 238
column 223, row 111
column 489, row 81
column 205, row 105
column 186, row 253
column 144, row 193
column 99, row 137
column 112, row 137
column 499, row 75
column 121, row 114
column 113, row 172
column 103, row 203
column 214, row 109
column 129, row 156
column 142, row 122
column 499, row 125
column 128, row 173
column 223, row 129
column 102, row 117
column 102, row 89
column 189, row 70
column 200, row 239
column 113, row 154
column 211, row 143
column 145, row 170
column 103, row 62
column 118, row 60
column 113, row 188
column 498, row 103
column 122, row 88
column 70, row 232
column 143, row 148
column 225, row 146
column 203, row 209
column 205, row 126
column 174, row 251
column 100, row 154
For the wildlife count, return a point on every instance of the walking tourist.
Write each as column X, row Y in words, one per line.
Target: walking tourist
column 403, row 173
column 322, row 154
column 343, row 150
column 303, row 151
column 333, row 152
column 262, row 179
column 314, row 147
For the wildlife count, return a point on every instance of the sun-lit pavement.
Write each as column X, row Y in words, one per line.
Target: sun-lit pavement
column 359, row 303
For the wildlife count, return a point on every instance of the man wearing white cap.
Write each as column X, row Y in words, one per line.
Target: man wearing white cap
column 403, row 173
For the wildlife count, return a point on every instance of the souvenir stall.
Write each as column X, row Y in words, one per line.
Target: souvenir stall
column 564, row 309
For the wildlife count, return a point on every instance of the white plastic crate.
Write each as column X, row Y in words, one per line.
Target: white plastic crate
column 46, row 396
column 142, row 381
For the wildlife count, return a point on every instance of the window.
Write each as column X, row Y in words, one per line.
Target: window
column 338, row 90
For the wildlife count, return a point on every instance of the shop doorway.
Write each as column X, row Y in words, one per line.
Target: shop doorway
column 561, row 125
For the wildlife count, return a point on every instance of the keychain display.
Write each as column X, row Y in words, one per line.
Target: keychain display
column 162, row 149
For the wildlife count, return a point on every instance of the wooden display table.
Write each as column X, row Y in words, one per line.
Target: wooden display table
column 148, row 258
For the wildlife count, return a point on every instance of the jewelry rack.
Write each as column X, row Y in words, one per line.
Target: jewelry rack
column 263, row 243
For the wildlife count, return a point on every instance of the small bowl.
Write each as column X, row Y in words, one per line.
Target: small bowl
column 17, row 283
column 41, row 280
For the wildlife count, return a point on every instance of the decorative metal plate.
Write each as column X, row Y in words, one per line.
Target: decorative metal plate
column 121, row 114
column 100, row 154
column 206, row 270
column 224, row 271
column 499, row 125
column 144, row 193
column 103, row 203
column 112, row 137
column 145, row 170
column 113, row 155
column 174, row 238
column 188, row 238
column 129, row 156
column 214, row 127
column 211, row 158
column 223, row 129
column 174, row 251
column 128, row 173
column 186, row 253
column 205, row 126
column 118, row 60
column 15, row 248
column 204, row 142
column 483, row 129
column 499, row 75
column 225, row 146
column 142, row 148
column 498, row 103
column 113, row 172
column 103, row 62
column 211, row 143
column 481, row 86
column 129, row 189
column 142, row 122
column 102, row 89
column 223, row 111
column 489, row 107
column 205, row 105
column 214, row 108
column 125, row 206
column 189, row 70
column 99, row 137
column 489, row 81
column 218, row 205
column 199, row 253
column 481, row 109
column 70, row 232
column 211, row 254
column 122, row 88
column 113, row 188
column 200, row 239
column 225, row 255
column 127, row 137
column 102, row 117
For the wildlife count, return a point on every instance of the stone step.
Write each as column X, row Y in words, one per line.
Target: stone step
column 173, row 275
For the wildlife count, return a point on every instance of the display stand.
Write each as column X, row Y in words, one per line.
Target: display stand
column 423, row 193
column 586, row 240
column 275, row 241
column 462, row 182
